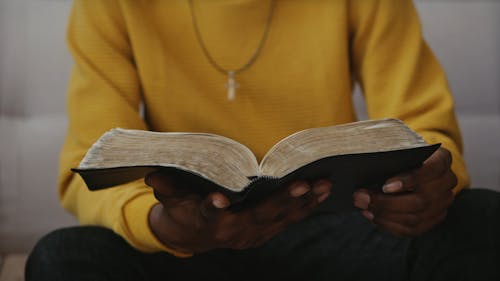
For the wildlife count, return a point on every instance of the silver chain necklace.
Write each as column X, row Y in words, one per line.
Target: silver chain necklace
column 231, row 84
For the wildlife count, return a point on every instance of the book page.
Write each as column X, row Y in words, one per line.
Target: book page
column 216, row 158
column 309, row 145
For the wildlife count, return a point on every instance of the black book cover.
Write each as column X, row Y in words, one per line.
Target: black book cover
column 347, row 173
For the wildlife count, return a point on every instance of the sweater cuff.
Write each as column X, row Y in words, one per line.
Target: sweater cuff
column 135, row 227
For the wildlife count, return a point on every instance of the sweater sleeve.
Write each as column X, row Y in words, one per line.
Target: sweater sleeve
column 104, row 93
column 400, row 75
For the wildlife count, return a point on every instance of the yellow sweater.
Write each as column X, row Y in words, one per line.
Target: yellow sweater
column 130, row 51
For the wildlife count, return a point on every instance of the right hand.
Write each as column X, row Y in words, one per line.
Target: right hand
column 186, row 222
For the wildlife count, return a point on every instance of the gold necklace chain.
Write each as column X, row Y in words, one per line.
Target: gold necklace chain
column 231, row 84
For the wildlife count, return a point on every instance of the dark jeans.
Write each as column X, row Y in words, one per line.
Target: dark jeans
column 341, row 246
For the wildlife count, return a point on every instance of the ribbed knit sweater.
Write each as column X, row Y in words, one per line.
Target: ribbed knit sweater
column 132, row 52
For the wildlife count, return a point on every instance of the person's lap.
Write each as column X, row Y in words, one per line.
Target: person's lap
column 343, row 246
column 466, row 246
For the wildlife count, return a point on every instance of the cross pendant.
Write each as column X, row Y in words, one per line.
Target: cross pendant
column 231, row 85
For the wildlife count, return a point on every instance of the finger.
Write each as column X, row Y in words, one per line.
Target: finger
column 299, row 214
column 237, row 230
column 242, row 244
column 279, row 204
column 297, row 189
column 184, row 211
column 446, row 181
column 430, row 223
column 298, row 195
column 410, row 230
column 301, row 198
column 435, row 166
column 322, row 190
column 362, row 198
column 441, row 159
column 267, row 235
column 169, row 231
column 228, row 228
column 301, row 203
column 293, row 217
column 162, row 184
column 317, row 191
column 182, row 204
column 247, row 241
column 402, row 203
column 412, row 219
column 213, row 205
column 432, row 195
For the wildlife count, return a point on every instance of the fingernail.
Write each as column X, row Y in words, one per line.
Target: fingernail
column 361, row 200
column 323, row 197
column 391, row 187
column 367, row 214
column 322, row 187
column 218, row 203
column 299, row 190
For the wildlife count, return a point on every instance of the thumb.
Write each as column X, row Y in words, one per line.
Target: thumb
column 161, row 183
column 213, row 205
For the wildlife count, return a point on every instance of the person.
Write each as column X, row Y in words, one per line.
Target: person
column 257, row 71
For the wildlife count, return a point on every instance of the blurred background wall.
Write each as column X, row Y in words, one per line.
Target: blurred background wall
column 35, row 65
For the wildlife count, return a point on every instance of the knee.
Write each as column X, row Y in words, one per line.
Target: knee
column 61, row 249
column 47, row 255
column 482, row 204
column 476, row 212
column 466, row 242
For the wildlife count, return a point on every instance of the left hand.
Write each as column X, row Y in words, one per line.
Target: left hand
column 413, row 202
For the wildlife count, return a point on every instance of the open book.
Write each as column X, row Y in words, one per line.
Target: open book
column 359, row 154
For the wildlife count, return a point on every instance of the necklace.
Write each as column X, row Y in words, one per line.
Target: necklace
column 231, row 84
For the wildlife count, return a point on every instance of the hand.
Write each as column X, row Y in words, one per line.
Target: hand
column 412, row 203
column 187, row 223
